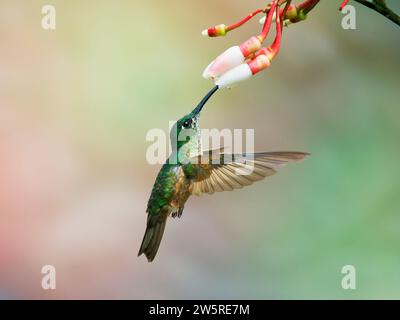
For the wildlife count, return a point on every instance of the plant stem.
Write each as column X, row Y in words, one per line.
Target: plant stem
column 380, row 7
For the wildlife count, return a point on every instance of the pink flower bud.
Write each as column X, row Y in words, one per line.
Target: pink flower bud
column 235, row 75
column 250, row 46
column 231, row 58
column 259, row 63
column 224, row 62
column 243, row 71
column 219, row 30
column 267, row 52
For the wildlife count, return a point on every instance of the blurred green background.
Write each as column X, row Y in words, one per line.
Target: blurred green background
column 75, row 107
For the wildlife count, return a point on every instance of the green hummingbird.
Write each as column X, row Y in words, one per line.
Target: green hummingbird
column 188, row 171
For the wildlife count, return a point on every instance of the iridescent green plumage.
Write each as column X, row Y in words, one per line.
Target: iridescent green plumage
column 163, row 189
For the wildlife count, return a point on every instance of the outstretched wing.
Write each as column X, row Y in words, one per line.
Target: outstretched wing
column 226, row 172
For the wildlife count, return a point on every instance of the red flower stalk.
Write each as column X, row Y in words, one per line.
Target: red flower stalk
column 221, row 29
column 263, row 57
column 268, row 21
column 242, row 22
column 343, row 4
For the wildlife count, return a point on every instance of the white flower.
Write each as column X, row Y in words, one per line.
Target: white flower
column 239, row 73
column 224, row 62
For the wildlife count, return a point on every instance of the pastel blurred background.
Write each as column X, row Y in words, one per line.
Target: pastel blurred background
column 75, row 107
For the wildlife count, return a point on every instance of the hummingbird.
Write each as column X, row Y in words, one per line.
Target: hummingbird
column 190, row 171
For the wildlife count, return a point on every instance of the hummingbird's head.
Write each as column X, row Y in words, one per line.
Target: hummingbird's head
column 187, row 129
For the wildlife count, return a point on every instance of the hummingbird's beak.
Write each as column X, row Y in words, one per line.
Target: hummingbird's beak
column 196, row 111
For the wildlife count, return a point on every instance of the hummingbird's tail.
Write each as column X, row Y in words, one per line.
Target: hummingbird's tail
column 153, row 235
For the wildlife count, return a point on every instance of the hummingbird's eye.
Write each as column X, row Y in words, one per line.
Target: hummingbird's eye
column 187, row 123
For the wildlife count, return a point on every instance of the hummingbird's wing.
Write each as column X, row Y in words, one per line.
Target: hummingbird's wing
column 226, row 172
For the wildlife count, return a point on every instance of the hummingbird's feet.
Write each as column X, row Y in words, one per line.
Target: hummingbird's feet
column 177, row 214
